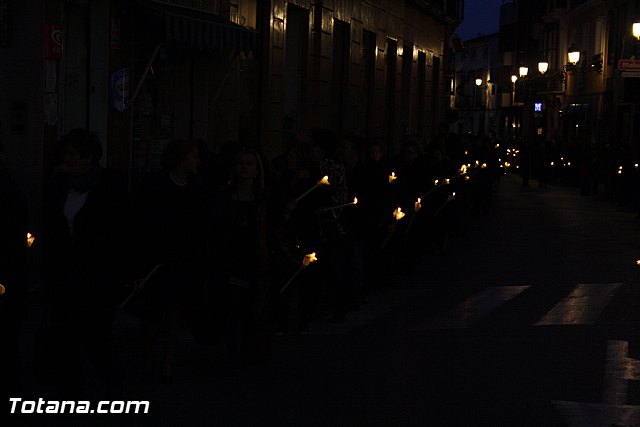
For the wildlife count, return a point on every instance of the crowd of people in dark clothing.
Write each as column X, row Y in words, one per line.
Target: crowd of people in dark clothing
column 209, row 241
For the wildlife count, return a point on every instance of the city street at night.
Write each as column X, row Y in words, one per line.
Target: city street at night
column 320, row 213
column 529, row 318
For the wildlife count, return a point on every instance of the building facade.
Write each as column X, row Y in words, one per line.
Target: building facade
column 139, row 73
column 477, row 68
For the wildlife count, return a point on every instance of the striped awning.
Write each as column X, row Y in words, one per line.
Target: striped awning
column 201, row 30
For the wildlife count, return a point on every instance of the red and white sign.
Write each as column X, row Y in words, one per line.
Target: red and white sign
column 53, row 41
column 629, row 65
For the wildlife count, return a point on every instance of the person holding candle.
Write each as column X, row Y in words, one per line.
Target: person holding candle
column 13, row 277
column 332, row 233
column 297, row 232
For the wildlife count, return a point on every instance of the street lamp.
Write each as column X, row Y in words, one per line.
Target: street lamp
column 523, row 71
column 543, row 66
column 573, row 55
column 635, row 29
column 478, row 82
column 514, row 78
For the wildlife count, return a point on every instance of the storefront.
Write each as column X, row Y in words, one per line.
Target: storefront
column 195, row 76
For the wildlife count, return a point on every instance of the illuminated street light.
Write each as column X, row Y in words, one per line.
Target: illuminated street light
column 523, row 71
column 574, row 55
column 635, row 29
column 543, row 66
column 514, row 78
column 478, row 82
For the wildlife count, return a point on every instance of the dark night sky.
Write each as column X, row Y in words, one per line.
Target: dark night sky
column 480, row 16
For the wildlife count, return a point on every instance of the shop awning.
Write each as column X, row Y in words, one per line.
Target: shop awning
column 201, row 30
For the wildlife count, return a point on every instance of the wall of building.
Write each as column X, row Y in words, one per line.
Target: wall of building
column 394, row 26
column 21, row 98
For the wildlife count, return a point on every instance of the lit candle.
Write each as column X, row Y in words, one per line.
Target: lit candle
column 398, row 214
column 306, row 261
column 392, row 177
column 355, row 202
column 30, row 239
column 323, row 181
column 417, row 205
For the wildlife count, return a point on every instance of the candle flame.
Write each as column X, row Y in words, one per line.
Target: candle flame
column 308, row 259
column 484, row 165
column 355, row 200
column 30, row 239
column 392, row 177
column 447, row 181
column 467, row 178
column 435, row 182
column 324, row 181
column 477, row 163
column 463, row 169
column 638, row 262
column 398, row 214
column 418, row 205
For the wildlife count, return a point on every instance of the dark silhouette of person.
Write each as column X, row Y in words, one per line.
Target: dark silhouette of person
column 83, row 224
column 170, row 216
column 240, row 259
column 13, row 278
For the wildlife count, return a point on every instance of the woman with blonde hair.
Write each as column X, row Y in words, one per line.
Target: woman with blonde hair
column 239, row 251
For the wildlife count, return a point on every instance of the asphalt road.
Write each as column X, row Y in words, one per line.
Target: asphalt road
column 530, row 318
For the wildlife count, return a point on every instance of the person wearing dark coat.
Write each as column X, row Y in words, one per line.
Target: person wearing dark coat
column 13, row 292
column 240, row 256
column 82, row 239
column 170, row 212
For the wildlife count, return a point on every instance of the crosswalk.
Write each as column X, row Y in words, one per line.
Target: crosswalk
column 582, row 306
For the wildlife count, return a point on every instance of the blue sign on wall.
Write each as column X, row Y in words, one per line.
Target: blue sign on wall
column 119, row 89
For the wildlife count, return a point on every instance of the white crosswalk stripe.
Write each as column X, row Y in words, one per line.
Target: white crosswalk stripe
column 474, row 308
column 583, row 306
